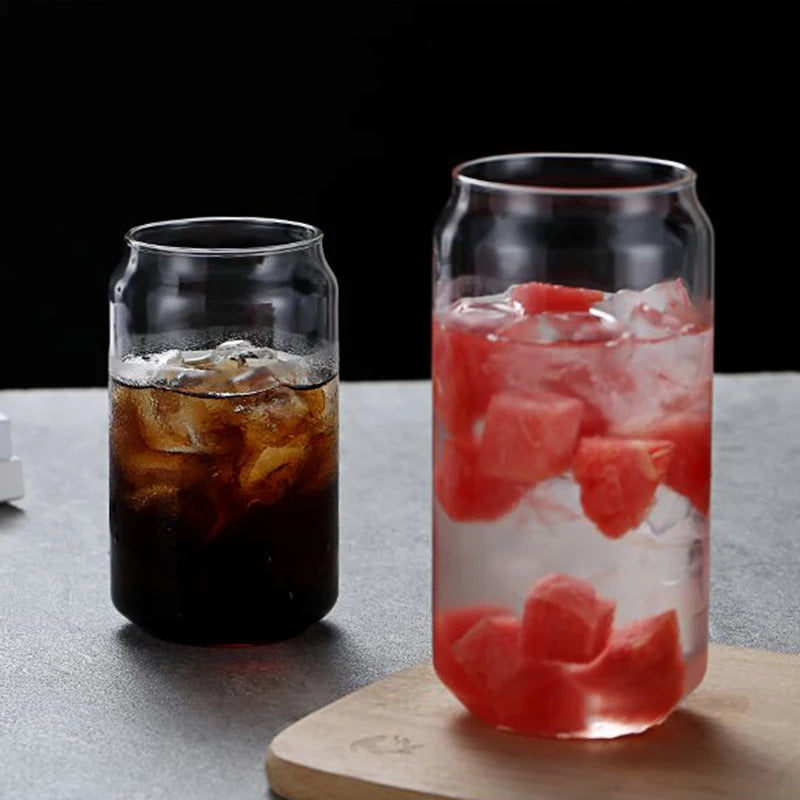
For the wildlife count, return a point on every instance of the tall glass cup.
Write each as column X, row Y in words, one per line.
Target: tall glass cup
column 572, row 380
column 223, row 430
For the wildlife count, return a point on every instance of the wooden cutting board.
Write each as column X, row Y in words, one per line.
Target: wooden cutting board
column 405, row 738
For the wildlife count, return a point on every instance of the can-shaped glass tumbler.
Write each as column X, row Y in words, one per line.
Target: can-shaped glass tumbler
column 572, row 386
column 223, row 430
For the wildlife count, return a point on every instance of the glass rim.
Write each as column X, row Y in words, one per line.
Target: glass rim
column 134, row 241
column 686, row 176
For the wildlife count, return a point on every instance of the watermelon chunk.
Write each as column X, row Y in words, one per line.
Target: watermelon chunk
column 640, row 675
column 535, row 297
column 535, row 698
column 565, row 620
column 529, row 436
column 488, row 652
column 460, row 396
column 448, row 627
column 466, row 494
column 541, row 699
column 618, row 479
column 689, row 470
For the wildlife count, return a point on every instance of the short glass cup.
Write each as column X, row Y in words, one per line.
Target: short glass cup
column 223, row 430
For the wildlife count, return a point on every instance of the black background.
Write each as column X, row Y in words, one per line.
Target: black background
column 350, row 116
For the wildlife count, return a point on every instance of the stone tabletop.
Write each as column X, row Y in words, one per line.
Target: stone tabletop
column 90, row 707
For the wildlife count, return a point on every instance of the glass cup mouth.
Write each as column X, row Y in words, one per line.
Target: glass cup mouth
column 223, row 236
column 598, row 174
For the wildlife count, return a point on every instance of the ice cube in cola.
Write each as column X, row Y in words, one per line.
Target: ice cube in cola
column 223, row 494
column 571, row 482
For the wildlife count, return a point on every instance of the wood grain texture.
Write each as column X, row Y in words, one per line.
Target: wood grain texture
column 405, row 738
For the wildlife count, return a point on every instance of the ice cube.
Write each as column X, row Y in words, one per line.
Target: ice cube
column 484, row 314
column 148, row 469
column 164, row 359
column 273, row 417
column 554, row 502
column 256, row 379
column 286, row 370
column 235, row 367
column 550, row 328
column 672, row 373
column 669, row 510
column 320, row 403
column 538, row 329
column 268, row 473
column 666, row 296
column 224, row 349
column 197, row 358
column 140, row 370
column 647, row 323
column 173, row 422
column 186, row 379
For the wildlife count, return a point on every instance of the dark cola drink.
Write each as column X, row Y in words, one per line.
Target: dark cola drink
column 223, row 512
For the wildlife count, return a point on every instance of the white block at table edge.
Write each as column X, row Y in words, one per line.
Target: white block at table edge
column 11, row 484
column 5, row 437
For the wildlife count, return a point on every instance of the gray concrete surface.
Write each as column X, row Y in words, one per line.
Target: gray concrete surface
column 90, row 707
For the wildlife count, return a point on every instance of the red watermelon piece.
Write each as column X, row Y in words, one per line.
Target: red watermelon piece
column 535, row 698
column 529, row 436
column 488, row 652
column 565, row 620
column 536, row 297
column 640, row 675
column 541, row 699
column 618, row 479
column 448, row 627
column 466, row 494
column 593, row 421
column 460, row 396
column 689, row 471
